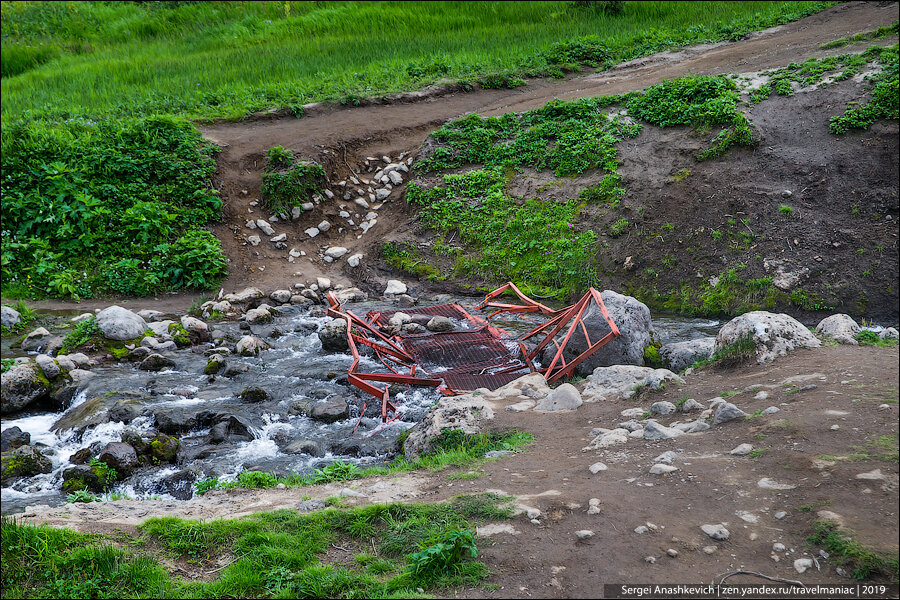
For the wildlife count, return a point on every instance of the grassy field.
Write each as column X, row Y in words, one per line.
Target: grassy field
column 225, row 59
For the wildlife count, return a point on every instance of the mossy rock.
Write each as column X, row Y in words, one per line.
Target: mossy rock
column 652, row 357
column 215, row 364
column 81, row 478
column 24, row 461
column 164, row 448
column 181, row 335
column 254, row 394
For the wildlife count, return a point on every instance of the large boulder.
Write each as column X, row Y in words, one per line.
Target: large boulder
column 841, row 328
column 632, row 318
column 248, row 294
column 179, row 485
column 24, row 461
column 563, row 398
column 117, row 323
column 680, row 355
column 469, row 413
column 764, row 335
column 9, row 317
column 20, row 386
column 334, row 336
column 330, row 410
column 621, row 382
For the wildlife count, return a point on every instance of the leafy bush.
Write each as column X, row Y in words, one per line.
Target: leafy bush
column 442, row 554
column 106, row 206
column 80, row 334
column 336, row 471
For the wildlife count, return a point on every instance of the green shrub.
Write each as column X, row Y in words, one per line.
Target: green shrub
column 442, row 554
column 285, row 185
column 83, row 332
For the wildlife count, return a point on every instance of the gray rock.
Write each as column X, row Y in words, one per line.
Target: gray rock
column 336, row 252
column 311, row 447
column 439, row 324
column 350, row 295
column 311, row 505
column 394, row 287
column 632, row 318
column 469, row 413
column 889, row 334
column 65, row 363
column 584, row 534
column 641, row 529
column 24, row 461
column 840, row 327
column 48, row 366
column 691, row 405
column 662, row 408
column 156, row 362
column 246, row 295
column 81, row 360
column 334, row 336
column 655, row 431
column 597, row 467
column 250, row 346
column 801, row 565
column 678, row 356
column 771, row 410
column 120, row 456
column 564, row 397
column 330, row 410
column 257, row 316
column 179, row 485
column 716, row 532
column 197, row 328
column 117, row 323
column 354, row 260
column 265, row 227
column 153, row 345
column 9, row 317
column 622, row 381
column 695, row 427
column 772, row 334
column 20, row 386
column 662, row 469
column 742, row 450
column 13, row 437
column 666, row 457
column 37, row 340
column 725, row 412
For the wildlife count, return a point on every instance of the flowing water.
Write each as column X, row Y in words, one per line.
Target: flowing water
column 295, row 371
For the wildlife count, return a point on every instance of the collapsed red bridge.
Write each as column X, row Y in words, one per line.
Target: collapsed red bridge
column 478, row 356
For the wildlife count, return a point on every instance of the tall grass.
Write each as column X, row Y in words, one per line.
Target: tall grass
column 224, row 59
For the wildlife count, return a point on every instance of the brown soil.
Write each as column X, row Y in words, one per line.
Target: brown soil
column 795, row 154
column 799, row 448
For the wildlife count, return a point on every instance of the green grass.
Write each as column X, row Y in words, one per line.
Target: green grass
column 451, row 449
column 223, row 60
column 277, row 554
column 863, row 562
column 867, row 337
column 26, row 316
column 864, row 36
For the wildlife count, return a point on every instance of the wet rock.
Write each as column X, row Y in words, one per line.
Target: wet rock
column 13, row 437
column 82, row 477
column 439, row 324
column 680, row 355
column 771, row 334
column 622, row 381
column 564, row 398
column 258, row 316
column 330, row 410
column 24, row 461
column 725, row 412
column 156, row 362
column 334, row 336
column 179, row 485
column 21, row 386
column 9, row 317
column 82, row 457
column 841, row 328
column 37, row 340
column 197, row 329
column 48, row 366
column 215, row 364
column 250, row 346
column 126, row 410
column 310, row 447
column 232, row 371
column 153, row 347
column 254, row 394
column 230, row 429
column 164, row 448
column 120, row 456
column 632, row 318
column 174, row 419
column 117, row 323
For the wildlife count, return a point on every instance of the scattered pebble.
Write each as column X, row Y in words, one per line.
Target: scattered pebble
column 742, row 450
column 597, row 467
column 584, row 534
column 709, row 549
column 780, row 515
column 778, row 547
column 716, row 532
column 641, row 529
column 672, row 552
column 650, row 559
column 802, row 564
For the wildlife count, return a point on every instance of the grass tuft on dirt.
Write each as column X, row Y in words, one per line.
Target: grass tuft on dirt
column 863, row 562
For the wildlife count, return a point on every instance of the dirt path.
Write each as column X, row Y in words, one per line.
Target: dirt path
column 341, row 137
column 822, row 448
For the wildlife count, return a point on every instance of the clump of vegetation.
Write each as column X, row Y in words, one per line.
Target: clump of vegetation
column 98, row 207
column 864, row 36
column 406, row 258
column 83, row 332
column 862, row 561
column 786, row 210
column 27, row 315
column 867, row 337
column 287, row 183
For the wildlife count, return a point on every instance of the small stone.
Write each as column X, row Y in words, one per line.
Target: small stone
column 672, row 552
column 709, row 549
column 650, row 559
column 742, row 450
column 354, row 260
column 584, row 534
column 666, row 457
column 802, row 564
column 716, row 532
column 336, row 252
column 662, row 408
column 641, row 529
column 311, row 232
column 254, row 240
column 661, row 469
column 771, row 410
column 761, row 396
column 835, row 427
column 725, row 412
column 780, row 515
column 597, row 467
column 279, row 238
column 778, row 547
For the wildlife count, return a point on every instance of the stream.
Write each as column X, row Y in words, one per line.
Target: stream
column 273, row 435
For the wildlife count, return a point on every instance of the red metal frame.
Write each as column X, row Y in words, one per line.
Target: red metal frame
column 501, row 367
